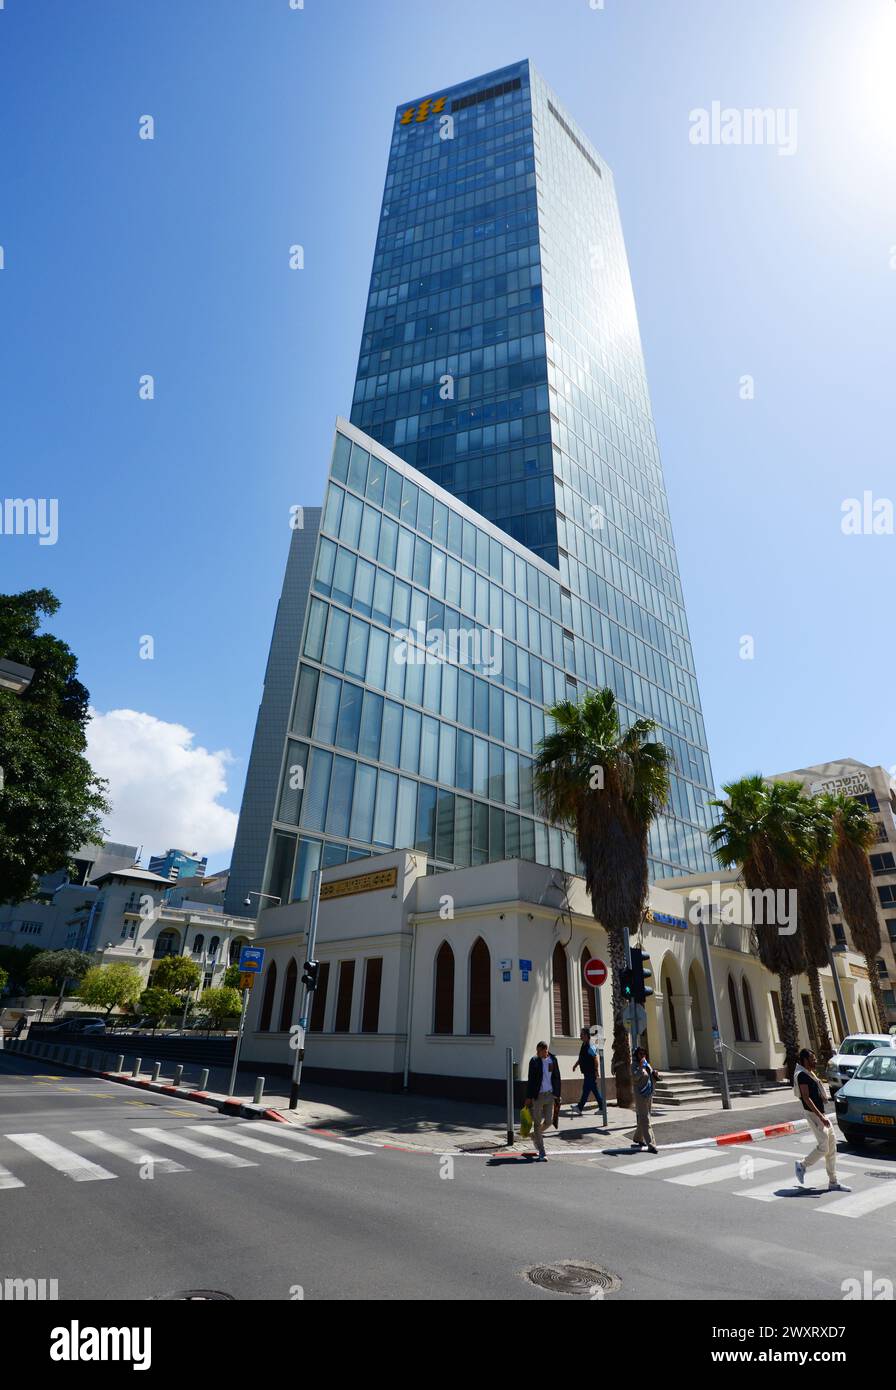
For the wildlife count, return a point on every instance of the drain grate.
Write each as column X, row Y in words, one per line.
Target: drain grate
column 881, row 1177
column 195, row 1296
column 574, row 1279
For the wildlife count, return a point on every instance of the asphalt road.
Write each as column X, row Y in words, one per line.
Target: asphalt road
column 80, row 1203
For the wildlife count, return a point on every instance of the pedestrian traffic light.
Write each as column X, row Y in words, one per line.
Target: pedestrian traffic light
column 309, row 978
column 641, row 973
column 627, row 985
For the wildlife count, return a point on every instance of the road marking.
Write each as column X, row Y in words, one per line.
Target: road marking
column 64, row 1160
column 769, row 1191
column 302, row 1136
column 657, row 1165
column 860, row 1203
column 726, row 1170
column 260, row 1145
column 122, row 1148
column 7, row 1179
column 192, row 1146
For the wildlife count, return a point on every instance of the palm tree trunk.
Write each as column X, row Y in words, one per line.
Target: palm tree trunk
column 789, row 1025
column 621, row 1059
column 877, row 993
column 823, row 1033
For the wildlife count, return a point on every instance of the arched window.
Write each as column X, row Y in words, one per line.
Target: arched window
column 213, row 947
column 267, row 1003
column 480, row 988
column 589, row 995
column 289, row 997
column 667, row 995
column 735, row 1011
column 748, row 1011
column 443, row 994
column 560, row 974
column 236, row 946
column 198, row 943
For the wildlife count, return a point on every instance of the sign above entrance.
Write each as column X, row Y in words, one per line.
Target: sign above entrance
column 664, row 919
column 361, row 883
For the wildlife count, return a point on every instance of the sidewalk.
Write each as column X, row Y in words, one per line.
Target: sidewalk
column 430, row 1124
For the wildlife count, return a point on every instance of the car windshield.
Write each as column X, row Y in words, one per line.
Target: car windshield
column 857, row 1047
column 878, row 1069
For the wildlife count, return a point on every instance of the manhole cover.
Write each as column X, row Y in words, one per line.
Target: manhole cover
column 195, row 1296
column 876, row 1173
column 576, row 1280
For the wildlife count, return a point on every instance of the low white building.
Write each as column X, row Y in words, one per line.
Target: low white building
column 426, row 980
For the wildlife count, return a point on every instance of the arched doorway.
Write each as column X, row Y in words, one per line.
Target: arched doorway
column 700, row 1017
column 675, row 1021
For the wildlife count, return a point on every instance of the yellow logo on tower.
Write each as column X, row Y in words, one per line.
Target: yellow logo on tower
column 429, row 107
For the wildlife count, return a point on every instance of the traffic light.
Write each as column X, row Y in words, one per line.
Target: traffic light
column 627, row 985
column 641, row 973
column 311, row 972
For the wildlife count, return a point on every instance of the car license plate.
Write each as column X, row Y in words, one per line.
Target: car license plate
column 879, row 1119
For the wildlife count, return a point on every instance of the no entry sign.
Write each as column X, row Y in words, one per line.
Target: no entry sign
column 595, row 972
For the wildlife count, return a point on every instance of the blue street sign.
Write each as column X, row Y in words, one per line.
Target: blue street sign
column 251, row 959
column 525, row 965
column 524, row 975
column 505, row 976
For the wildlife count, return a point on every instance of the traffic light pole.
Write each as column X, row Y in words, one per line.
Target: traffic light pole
column 633, row 1005
column 311, row 937
column 714, row 1012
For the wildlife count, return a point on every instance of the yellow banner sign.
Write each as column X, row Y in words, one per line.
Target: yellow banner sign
column 247, row 979
column 430, row 107
column 361, row 883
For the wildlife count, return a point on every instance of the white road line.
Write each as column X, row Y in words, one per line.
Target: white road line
column 260, row 1145
column 192, row 1146
column 723, row 1171
column 657, row 1165
column 768, row 1192
column 64, row 1160
column 8, row 1179
column 122, row 1148
column 302, row 1136
column 860, row 1203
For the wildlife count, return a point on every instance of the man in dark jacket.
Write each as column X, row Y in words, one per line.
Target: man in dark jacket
column 587, row 1064
column 542, row 1089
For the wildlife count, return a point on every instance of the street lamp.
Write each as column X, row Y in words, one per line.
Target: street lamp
column 247, row 901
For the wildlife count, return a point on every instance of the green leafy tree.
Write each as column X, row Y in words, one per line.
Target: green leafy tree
column 59, row 966
column 51, row 802
column 157, row 1004
column 110, row 986
column 220, row 1003
column 179, row 974
column 16, row 960
column 4, row 979
column 40, row 985
column 853, row 834
column 607, row 786
column 759, row 832
column 231, row 977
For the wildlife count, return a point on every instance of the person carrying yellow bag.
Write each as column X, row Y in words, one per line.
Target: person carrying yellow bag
column 525, row 1122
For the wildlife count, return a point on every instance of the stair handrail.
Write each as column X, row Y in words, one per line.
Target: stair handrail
column 748, row 1060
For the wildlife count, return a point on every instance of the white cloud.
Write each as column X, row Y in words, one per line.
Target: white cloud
column 163, row 788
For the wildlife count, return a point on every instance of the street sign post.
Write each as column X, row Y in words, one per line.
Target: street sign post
column 239, row 1040
column 635, row 1016
column 595, row 973
column 251, row 959
column 247, row 979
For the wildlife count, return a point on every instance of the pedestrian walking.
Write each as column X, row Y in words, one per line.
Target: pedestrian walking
column 542, row 1092
column 644, row 1078
column 587, row 1065
column 812, row 1092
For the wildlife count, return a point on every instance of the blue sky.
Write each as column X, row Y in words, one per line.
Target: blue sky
column 124, row 256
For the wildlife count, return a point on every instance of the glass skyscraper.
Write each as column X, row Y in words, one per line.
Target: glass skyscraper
column 499, row 484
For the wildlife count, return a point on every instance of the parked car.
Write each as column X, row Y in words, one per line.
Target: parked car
column 847, row 1060
column 866, row 1104
column 79, row 1025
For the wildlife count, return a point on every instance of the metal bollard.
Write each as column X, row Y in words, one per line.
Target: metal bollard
column 137, row 1065
column 203, row 1079
column 178, row 1073
column 259, row 1089
column 119, row 1062
column 157, row 1067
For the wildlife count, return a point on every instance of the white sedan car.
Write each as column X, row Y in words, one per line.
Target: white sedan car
column 848, row 1058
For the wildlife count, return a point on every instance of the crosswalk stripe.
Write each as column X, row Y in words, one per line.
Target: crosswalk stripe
column 122, row 1148
column 64, row 1160
column 860, row 1203
column 260, row 1145
column 302, row 1136
column 723, row 1171
column 192, row 1146
column 7, row 1179
column 658, row 1165
column 767, row 1191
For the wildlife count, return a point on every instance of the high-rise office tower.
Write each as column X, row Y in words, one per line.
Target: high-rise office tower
column 501, row 363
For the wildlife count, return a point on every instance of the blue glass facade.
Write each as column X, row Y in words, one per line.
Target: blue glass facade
column 502, row 478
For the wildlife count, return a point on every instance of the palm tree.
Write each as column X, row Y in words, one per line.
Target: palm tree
column 814, row 923
column 607, row 786
column 758, row 832
column 853, row 833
